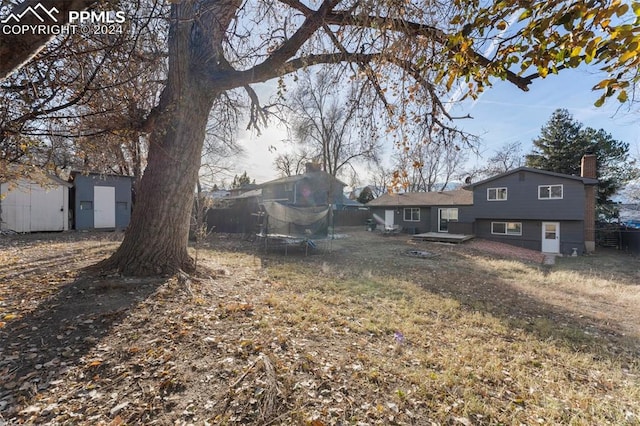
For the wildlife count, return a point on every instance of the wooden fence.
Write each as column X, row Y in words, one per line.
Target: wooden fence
column 630, row 240
column 350, row 217
column 619, row 237
column 234, row 220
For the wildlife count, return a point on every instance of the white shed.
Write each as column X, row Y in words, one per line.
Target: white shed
column 27, row 206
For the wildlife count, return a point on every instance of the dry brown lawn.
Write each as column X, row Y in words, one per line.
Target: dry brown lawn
column 365, row 330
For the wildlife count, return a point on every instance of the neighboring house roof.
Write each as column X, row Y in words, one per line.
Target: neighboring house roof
column 216, row 195
column 258, row 193
column 458, row 197
column 59, row 181
column 53, row 178
column 234, row 192
column 297, row 178
column 282, row 180
column 85, row 173
column 586, row 181
column 248, row 194
column 75, row 173
column 352, row 203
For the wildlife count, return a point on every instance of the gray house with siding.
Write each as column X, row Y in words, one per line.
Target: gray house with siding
column 287, row 205
column 312, row 188
column 526, row 207
column 537, row 209
column 421, row 212
column 100, row 201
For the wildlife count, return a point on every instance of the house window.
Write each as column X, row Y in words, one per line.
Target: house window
column 445, row 216
column 506, row 228
column 550, row 192
column 288, row 187
column 412, row 214
column 496, row 194
column 86, row 205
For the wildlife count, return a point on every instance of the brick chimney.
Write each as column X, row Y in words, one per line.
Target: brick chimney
column 588, row 170
column 588, row 166
column 313, row 167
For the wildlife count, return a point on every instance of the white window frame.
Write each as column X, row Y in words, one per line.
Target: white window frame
column 446, row 211
column 497, row 191
column 411, row 210
column 506, row 228
column 550, row 192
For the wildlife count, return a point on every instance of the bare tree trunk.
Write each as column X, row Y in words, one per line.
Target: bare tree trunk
column 156, row 241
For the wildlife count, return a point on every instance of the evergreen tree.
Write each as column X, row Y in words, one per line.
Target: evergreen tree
column 240, row 181
column 562, row 143
column 366, row 195
column 559, row 148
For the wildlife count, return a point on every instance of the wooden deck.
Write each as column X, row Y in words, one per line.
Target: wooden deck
column 442, row 237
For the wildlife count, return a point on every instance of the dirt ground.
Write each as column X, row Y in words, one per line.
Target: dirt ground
column 77, row 348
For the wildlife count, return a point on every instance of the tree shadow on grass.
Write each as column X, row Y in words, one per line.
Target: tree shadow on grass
column 453, row 274
column 38, row 348
column 577, row 328
column 477, row 287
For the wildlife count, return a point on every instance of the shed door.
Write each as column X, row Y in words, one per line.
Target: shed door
column 551, row 237
column 104, row 207
column 388, row 218
column 47, row 208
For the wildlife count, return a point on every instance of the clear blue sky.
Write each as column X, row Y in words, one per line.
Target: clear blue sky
column 503, row 114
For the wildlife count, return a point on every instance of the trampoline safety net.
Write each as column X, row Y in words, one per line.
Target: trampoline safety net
column 296, row 221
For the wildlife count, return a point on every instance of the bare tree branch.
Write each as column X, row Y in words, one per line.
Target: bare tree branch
column 17, row 49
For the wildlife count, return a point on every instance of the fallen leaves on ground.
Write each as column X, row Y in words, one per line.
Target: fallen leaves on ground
column 358, row 333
